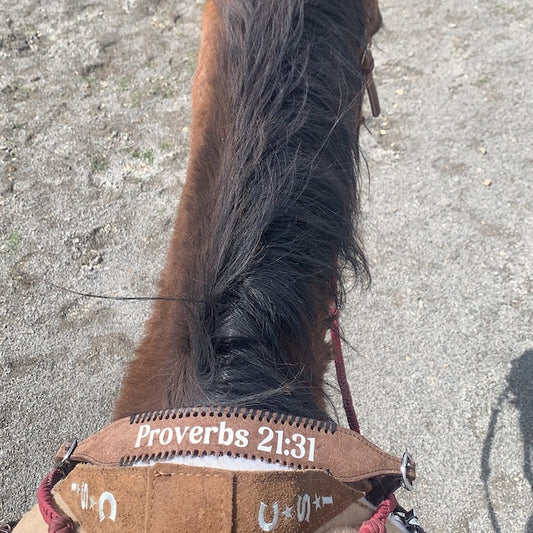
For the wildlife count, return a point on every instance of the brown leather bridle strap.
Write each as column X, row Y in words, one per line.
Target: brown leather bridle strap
column 367, row 67
column 297, row 442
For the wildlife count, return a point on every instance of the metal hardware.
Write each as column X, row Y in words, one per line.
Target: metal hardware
column 67, row 455
column 408, row 519
column 406, row 461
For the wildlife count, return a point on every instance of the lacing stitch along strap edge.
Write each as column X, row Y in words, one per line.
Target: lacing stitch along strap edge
column 228, row 411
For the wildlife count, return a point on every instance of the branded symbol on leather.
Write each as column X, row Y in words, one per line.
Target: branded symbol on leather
column 303, row 508
column 107, row 497
column 107, row 504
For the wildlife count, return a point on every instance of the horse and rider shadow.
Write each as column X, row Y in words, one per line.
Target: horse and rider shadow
column 519, row 393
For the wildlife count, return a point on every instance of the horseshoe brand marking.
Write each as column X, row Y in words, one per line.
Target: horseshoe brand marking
column 107, row 497
column 263, row 524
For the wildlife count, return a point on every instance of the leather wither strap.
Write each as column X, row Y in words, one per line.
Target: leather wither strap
column 300, row 443
column 168, row 497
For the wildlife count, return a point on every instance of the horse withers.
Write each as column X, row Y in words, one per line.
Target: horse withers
column 233, row 432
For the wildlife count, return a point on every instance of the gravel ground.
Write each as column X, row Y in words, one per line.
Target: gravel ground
column 94, row 111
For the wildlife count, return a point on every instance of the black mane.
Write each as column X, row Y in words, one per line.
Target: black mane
column 285, row 221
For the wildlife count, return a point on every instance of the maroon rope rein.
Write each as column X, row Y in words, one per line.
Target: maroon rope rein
column 376, row 523
column 56, row 523
column 342, row 380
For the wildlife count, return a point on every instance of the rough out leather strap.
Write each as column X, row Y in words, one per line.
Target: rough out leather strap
column 298, row 442
column 168, row 497
column 367, row 67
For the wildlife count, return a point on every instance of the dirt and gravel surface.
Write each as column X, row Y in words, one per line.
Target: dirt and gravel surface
column 94, row 114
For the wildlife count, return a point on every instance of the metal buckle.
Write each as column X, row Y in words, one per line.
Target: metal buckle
column 67, row 455
column 406, row 461
column 408, row 519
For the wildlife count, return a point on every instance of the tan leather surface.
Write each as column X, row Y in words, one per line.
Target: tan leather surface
column 347, row 521
column 346, row 454
column 154, row 499
column 32, row 522
column 173, row 498
column 91, row 494
column 189, row 499
column 294, row 501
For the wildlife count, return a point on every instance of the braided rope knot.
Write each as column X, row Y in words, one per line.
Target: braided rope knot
column 56, row 522
column 376, row 523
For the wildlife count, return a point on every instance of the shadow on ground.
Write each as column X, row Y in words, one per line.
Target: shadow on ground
column 519, row 392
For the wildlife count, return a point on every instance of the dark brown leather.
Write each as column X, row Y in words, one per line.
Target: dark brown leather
column 367, row 66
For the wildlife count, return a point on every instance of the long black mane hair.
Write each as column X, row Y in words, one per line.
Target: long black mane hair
column 285, row 219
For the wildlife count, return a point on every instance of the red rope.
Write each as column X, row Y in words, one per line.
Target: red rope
column 56, row 522
column 342, row 380
column 376, row 524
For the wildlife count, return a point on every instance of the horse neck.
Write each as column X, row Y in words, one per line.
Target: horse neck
column 162, row 374
column 266, row 214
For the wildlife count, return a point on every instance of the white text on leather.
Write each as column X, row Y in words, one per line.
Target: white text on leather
column 273, row 442
column 195, row 435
